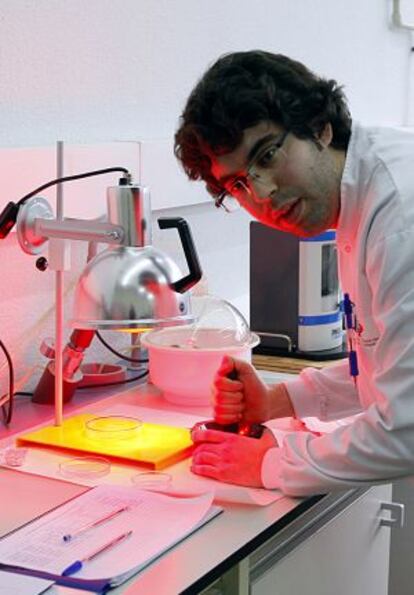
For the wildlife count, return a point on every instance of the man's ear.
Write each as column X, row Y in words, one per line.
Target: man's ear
column 326, row 135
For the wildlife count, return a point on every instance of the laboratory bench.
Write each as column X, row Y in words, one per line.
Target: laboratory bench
column 324, row 544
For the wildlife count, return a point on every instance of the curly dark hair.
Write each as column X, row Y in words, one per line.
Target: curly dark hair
column 244, row 88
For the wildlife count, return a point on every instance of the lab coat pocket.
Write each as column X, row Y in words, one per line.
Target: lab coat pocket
column 367, row 333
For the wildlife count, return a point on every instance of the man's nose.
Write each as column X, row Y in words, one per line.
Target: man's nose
column 262, row 189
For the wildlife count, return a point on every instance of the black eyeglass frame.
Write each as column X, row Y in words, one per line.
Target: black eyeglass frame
column 219, row 200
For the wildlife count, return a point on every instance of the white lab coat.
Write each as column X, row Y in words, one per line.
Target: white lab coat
column 375, row 239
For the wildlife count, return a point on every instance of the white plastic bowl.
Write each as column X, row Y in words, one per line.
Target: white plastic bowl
column 183, row 371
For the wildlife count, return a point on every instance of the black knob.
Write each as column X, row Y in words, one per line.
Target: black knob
column 42, row 263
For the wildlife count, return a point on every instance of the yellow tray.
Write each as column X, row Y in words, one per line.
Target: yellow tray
column 153, row 446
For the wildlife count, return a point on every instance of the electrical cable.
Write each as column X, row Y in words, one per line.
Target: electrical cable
column 89, row 386
column 117, row 353
column 8, row 216
column 8, row 416
column 87, row 174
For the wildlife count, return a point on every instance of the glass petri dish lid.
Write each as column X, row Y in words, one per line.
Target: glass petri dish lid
column 112, row 428
column 85, row 467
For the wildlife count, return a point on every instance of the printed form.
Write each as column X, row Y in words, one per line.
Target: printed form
column 156, row 522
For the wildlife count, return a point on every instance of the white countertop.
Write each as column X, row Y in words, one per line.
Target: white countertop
column 210, row 550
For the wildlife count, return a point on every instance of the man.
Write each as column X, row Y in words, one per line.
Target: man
column 263, row 130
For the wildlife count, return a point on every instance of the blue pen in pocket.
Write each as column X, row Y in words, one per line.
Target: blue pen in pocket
column 350, row 327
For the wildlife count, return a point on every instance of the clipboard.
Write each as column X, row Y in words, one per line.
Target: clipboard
column 28, row 550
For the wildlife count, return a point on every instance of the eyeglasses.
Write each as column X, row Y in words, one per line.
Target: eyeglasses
column 260, row 170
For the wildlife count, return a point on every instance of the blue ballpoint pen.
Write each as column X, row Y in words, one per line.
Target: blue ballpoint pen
column 78, row 564
column 350, row 324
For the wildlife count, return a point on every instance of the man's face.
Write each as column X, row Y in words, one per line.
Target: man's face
column 293, row 187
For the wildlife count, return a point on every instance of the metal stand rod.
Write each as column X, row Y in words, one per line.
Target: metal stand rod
column 59, row 301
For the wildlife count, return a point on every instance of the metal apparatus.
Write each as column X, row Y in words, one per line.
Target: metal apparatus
column 128, row 286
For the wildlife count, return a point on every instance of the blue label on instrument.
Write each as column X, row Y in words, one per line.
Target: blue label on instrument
column 326, row 236
column 320, row 319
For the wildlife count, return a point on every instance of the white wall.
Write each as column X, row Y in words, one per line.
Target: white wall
column 106, row 70
column 122, row 69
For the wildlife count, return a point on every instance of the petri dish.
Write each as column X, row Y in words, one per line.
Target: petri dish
column 85, row 467
column 14, row 456
column 152, row 480
column 112, row 428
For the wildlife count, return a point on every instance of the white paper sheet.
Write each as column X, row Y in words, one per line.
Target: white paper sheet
column 46, row 462
column 184, row 481
column 156, row 520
